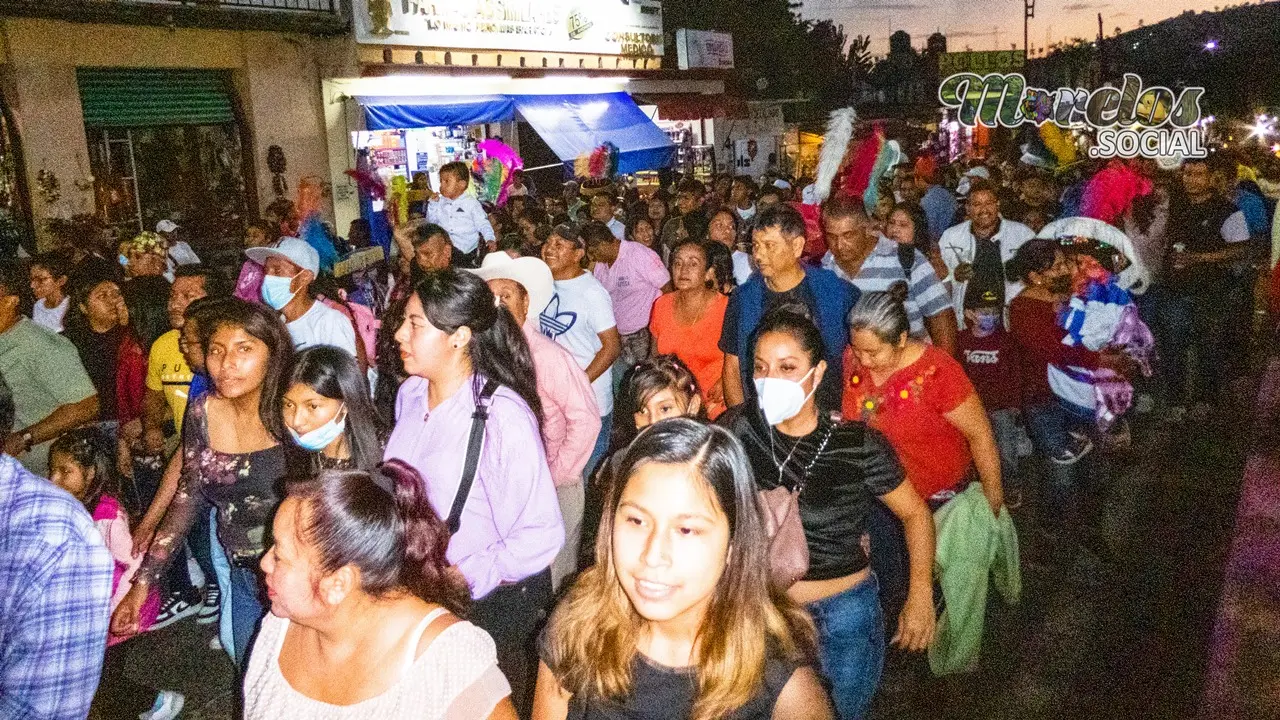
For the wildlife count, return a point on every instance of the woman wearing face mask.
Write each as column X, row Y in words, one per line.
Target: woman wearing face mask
column 677, row 617
column 233, row 460
column 328, row 412
column 840, row 470
column 469, row 367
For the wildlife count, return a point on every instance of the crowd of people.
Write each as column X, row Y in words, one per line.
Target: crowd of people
column 600, row 454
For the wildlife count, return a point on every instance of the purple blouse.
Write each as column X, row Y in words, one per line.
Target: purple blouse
column 511, row 526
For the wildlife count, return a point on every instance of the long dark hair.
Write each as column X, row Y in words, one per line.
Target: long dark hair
column 333, row 373
column 264, row 324
column 148, row 301
column 452, row 299
column 381, row 522
column 92, row 451
column 82, row 285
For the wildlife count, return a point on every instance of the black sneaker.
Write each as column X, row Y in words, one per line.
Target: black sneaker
column 212, row 602
column 174, row 609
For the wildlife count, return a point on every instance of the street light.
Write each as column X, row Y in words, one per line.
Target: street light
column 1211, row 45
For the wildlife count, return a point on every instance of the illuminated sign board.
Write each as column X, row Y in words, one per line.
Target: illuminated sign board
column 630, row 28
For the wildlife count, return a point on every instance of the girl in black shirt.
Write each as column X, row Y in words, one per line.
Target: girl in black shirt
column 841, row 469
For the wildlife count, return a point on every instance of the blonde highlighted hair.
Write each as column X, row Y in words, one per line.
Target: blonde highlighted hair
column 593, row 635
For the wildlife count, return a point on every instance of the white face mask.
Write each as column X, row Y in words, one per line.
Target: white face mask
column 781, row 399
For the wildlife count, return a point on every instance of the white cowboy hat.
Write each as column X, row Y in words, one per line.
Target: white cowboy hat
column 530, row 272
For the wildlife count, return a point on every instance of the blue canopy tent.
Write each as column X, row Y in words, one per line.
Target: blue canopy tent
column 574, row 125
column 397, row 113
column 571, row 125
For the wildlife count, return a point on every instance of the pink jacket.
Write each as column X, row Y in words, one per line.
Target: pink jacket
column 571, row 420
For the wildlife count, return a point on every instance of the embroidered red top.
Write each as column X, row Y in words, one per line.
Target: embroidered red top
column 909, row 408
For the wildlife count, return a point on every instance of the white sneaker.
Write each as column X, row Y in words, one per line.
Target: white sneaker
column 167, row 706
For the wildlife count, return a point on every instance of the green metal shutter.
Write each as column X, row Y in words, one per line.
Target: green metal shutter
column 148, row 97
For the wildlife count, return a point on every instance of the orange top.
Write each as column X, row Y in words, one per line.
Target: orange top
column 696, row 345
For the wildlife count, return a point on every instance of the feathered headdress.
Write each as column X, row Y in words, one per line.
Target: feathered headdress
column 494, row 168
column 599, row 164
column 835, row 145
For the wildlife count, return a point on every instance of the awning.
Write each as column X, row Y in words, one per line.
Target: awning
column 574, row 125
column 402, row 113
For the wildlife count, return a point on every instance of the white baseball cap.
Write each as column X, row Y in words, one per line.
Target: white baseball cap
column 293, row 249
column 166, row 226
column 530, row 272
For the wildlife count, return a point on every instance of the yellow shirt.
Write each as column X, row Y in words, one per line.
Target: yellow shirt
column 167, row 372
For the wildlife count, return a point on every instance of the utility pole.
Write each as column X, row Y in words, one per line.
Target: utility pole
column 1029, row 11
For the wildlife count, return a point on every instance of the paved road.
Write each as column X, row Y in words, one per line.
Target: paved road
column 1117, row 633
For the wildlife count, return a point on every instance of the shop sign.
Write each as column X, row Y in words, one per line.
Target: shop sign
column 986, row 61
column 1130, row 121
column 704, row 49
column 631, row 28
column 389, row 157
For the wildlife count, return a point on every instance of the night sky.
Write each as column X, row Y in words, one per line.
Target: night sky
column 971, row 22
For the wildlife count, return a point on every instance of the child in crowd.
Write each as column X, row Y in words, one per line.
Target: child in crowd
column 461, row 215
column 659, row 388
column 82, row 463
column 988, row 354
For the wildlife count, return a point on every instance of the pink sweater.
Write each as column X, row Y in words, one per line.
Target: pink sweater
column 570, row 418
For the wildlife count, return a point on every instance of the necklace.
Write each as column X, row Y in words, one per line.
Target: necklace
column 804, row 474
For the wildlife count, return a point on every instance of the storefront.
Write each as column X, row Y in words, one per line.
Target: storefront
column 435, row 82
column 129, row 125
column 164, row 144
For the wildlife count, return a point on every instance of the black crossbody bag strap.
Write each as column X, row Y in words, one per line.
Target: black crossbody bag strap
column 473, row 455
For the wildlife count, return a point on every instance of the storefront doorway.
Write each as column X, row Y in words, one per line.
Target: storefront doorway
column 166, row 144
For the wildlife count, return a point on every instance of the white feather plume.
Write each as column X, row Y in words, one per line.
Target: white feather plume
column 834, row 145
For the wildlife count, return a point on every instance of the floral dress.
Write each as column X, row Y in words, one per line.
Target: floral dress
column 244, row 488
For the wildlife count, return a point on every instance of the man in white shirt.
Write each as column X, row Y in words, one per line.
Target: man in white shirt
column 743, row 198
column 291, row 266
column 180, row 253
column 604, row 210
column 977, row 249
column 580, row 317
column 461, row 215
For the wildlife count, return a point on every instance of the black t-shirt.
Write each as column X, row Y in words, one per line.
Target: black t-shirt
column 99, row 353
column 1197, row 228
column 856, row 466
column 662, row 693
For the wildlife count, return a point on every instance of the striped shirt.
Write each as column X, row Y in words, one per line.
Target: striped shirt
column 926, row 295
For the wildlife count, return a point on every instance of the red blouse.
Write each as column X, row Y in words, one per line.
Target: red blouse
column 909, row 408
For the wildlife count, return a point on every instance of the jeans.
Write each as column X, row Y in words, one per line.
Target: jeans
column 851, row 645
column 222, row 570
column 246, row 610
column 513, row 615
column 1047, row 424
column 1203, row 327
column 1004, row 424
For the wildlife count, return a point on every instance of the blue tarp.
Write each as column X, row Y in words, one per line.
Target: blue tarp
column 574, row 125
column 402, row 113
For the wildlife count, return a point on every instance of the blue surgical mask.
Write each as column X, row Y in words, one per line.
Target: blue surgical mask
column 323, row 436
column 986, row 323
column 276, row 292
